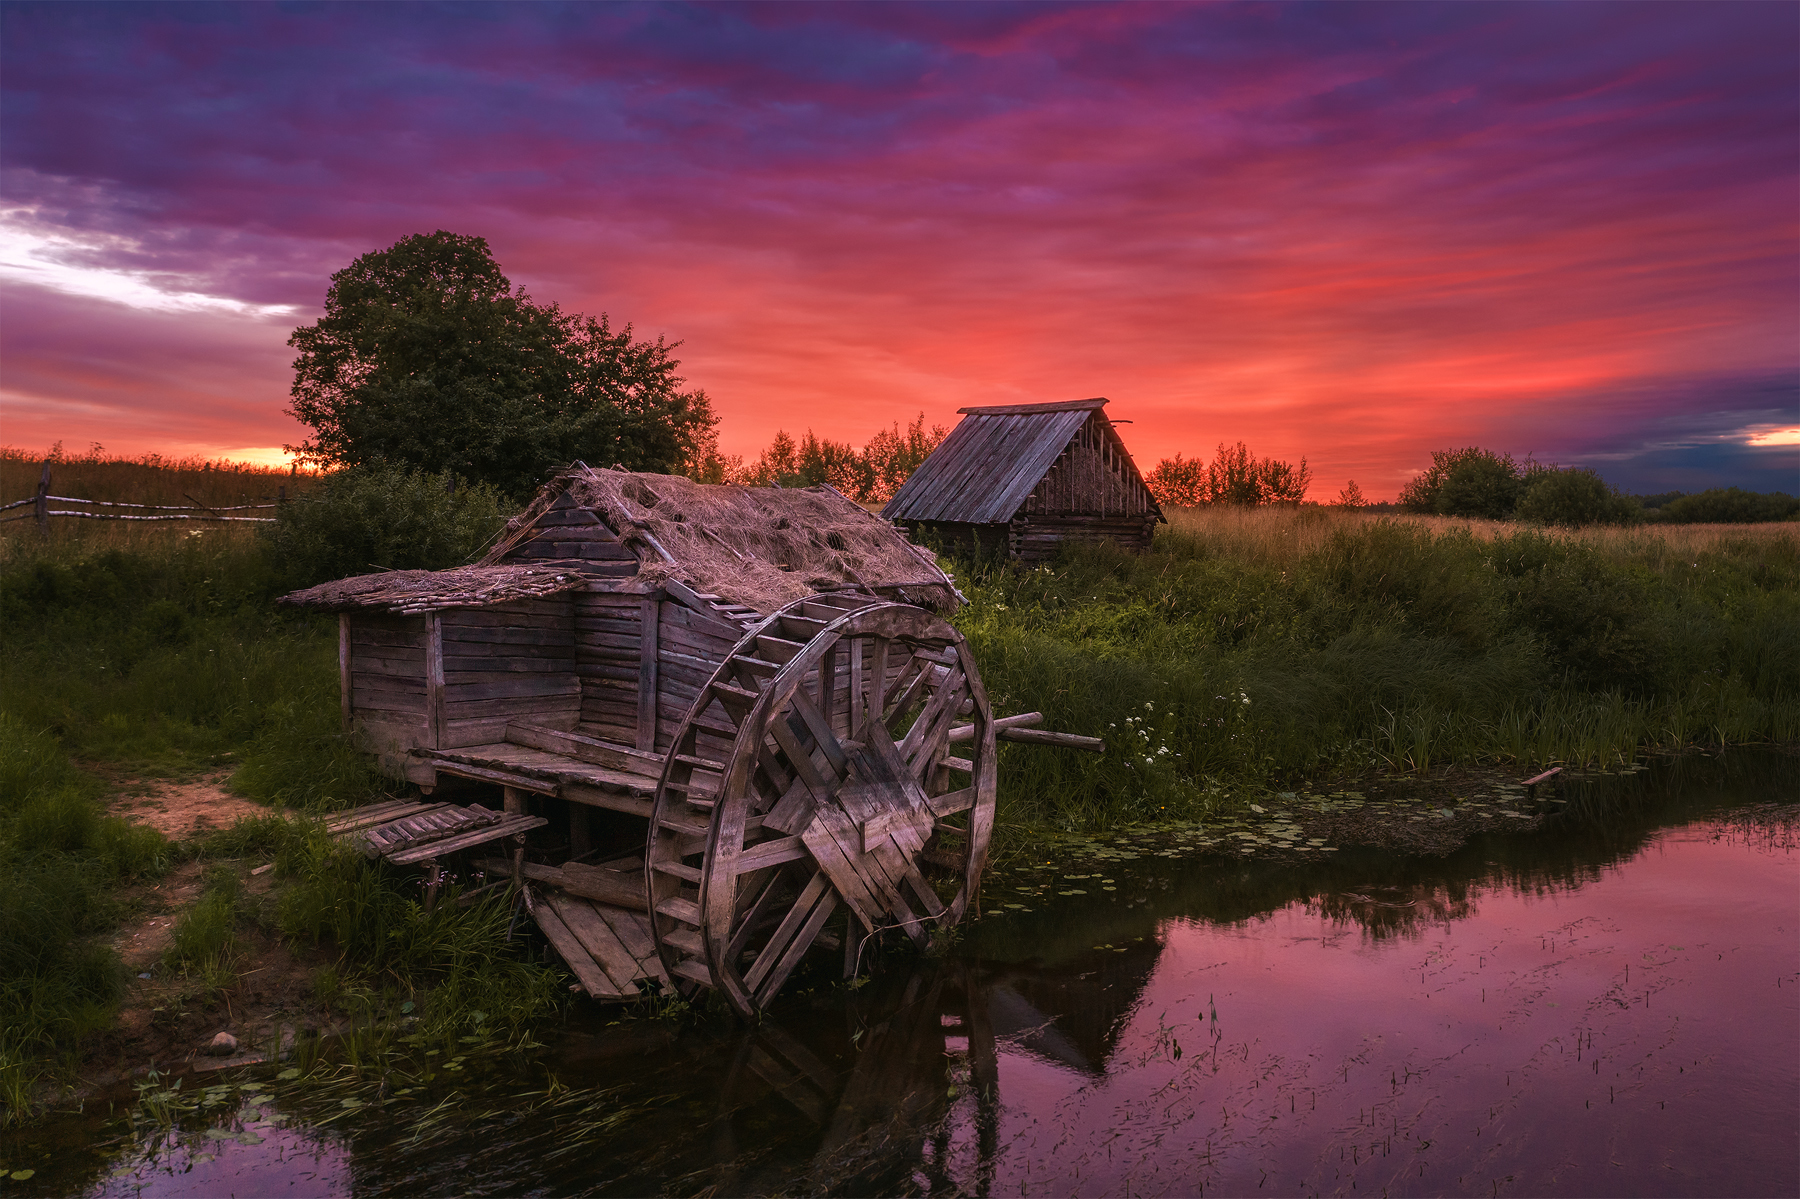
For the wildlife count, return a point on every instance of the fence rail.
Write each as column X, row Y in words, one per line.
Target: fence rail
column 41, row 511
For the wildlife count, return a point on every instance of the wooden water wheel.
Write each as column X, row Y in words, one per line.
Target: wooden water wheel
column 814, row 770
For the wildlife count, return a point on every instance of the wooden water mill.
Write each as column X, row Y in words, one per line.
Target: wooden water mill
column 754, row 690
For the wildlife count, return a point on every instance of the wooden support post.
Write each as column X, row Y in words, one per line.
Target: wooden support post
column 344, row 668
column 431, row 888
column 434, row 681
column 40, row 506
column 515, row 801
column 647, row 651
column 518, row 861
column 579, row 841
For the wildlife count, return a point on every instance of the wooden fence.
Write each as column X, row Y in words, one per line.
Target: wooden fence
column 41, row 511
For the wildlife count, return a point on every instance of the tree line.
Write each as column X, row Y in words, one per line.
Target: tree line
column 428, row 360
column 869, row 475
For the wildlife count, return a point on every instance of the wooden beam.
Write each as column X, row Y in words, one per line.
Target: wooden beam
column 434, row 681
column 344, row 668
column 966, row 732
column 647, row 656
column 1046, row 737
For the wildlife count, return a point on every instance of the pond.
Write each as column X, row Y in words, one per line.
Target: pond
column 1608, row 1004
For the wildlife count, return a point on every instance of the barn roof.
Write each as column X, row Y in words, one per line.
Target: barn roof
column 986, row 469
column 411, row 592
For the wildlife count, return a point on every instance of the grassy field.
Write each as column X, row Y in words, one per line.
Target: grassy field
column 1255, row 647
column 1248, row 650
column 155, row 652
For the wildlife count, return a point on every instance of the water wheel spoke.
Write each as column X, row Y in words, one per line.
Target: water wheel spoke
column 758, row 914
column 819, row 724
column 903, row 692
column 780, row 941
column 801, row 759
column 924, row 743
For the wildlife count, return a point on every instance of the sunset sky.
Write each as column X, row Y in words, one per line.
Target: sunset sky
column 1356, row 233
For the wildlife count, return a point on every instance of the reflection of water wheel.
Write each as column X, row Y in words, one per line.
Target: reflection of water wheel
column 812, row 770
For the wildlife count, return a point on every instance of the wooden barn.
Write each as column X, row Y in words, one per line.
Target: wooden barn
column 1021, row 479
column 743, row 704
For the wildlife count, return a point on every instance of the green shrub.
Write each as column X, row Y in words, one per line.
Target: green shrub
column 1573, row 498
column 381, row 518
column 1211, row 667
column 1730, row 505
column 1466, row 482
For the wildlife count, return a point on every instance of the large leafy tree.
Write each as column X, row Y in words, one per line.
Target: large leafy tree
column 427, row 357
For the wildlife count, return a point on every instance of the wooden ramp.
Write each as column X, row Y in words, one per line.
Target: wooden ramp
column 595, row 920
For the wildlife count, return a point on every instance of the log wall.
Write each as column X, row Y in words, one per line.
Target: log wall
column 382, row 663
column 960, row 536
column 690, row 647
column 1038, row 539
column 609, row 634
column 514, row 661
column 568, row 535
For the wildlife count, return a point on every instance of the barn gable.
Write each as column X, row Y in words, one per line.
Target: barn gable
column 1023, row 478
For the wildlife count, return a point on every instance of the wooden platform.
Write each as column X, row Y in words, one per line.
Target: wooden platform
column 563, row 765
column 407, row 833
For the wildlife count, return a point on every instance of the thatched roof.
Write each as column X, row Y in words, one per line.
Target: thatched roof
column 758, row 546
column 411, row 592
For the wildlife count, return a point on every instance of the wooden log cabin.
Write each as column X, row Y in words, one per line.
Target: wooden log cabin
column 757, row 682
column 1021, row 479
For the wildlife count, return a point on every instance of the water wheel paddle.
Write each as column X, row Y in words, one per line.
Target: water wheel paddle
column 812, row 771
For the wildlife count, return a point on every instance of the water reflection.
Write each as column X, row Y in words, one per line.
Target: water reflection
column 1605, row 1006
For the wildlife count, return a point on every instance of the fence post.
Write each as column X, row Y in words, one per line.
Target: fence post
column 40, row 507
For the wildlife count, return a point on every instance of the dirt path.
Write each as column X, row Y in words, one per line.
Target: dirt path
column 166, row 1019
column 182, row 811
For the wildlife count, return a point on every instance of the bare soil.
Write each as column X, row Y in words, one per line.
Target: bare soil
column 182, row 811
column 166, row 1020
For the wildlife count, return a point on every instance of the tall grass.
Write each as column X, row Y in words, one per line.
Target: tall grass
column 59, row 857
column 1250, row 647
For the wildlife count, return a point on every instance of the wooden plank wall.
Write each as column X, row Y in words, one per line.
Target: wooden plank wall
column 514, row 661
column 608, row 659
column 1038, row 538
column 1093, row 477
column 609, row 632
column 960, row 536
column 690, row 646
column 386, row 671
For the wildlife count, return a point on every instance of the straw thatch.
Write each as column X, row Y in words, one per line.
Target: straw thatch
column 757, row 546
column 412, row 592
